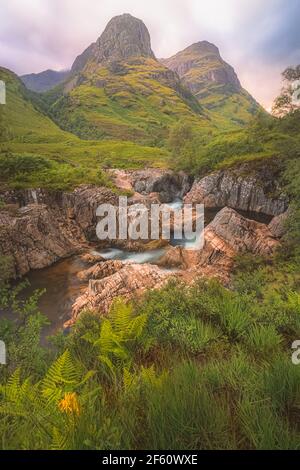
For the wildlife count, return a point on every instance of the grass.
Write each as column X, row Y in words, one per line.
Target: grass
column 26, row 131
column 139, row 102
column 266, row 141
column 198, row 367
column 228, row 106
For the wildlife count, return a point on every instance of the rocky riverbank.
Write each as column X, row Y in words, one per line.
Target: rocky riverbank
column 38, row 228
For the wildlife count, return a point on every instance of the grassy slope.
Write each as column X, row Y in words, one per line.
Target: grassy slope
column 227, row 106
column 265, row 138
column 137, row 101
column 26, row 131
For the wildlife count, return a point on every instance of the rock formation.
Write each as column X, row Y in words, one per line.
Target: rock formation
column 200, row 64
column 123, row 37
column 131, row 280
column 155, row 183
column 226, row 236
column 238, row 188
column 44, row 226
column 277, row 226
column 37, row 236
column 214, row 83
column 241, row 234
column 100, row 270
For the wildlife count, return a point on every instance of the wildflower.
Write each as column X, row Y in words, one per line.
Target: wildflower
column 69, row 404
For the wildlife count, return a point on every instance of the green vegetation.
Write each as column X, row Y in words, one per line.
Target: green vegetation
column 215, row 85
column 183, row 368
column 199, row 367
column 266, row 137
column 136, row 101
column 289, row 99
column 28, row 135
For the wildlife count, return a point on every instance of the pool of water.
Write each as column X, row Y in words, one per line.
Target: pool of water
column 63, row 286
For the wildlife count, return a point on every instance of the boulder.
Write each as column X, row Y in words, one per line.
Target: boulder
column 101, row 270
column 277, row 226
column 129, row 281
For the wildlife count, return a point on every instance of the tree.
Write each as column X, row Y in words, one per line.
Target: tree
column 289, row 99
column 184, row 145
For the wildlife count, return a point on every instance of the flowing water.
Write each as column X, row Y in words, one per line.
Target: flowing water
column 62, row 286
column 150, row 256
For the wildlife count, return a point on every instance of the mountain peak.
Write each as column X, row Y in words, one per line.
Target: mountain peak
column 124, row 36
column 201, row 65
column 202, row 47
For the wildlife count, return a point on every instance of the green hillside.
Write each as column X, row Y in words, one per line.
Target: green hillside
column 137, row 99
column 27, row 133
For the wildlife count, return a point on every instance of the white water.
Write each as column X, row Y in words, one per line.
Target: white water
column 176, row 204
column 150, row 256
column 137, row 257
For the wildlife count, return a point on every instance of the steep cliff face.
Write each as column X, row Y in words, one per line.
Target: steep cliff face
column 40, row 227
column 239, row 189
column 201, row 65
column 124, row 37
column 36, row 237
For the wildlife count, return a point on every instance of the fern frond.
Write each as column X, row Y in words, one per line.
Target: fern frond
column 61, row 375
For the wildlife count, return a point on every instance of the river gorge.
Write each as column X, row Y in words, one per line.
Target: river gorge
column 51, row 237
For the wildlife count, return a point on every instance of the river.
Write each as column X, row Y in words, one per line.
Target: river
column 62, row 285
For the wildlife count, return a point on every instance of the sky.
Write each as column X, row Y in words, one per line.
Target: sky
column 259, row 38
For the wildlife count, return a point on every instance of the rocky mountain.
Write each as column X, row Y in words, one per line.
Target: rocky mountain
column 123, row 37
column 213, row 81
column 44, row 81
column 119, row 90
column 201, row 65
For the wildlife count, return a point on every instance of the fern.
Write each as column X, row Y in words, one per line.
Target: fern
column 63, row 376
column 118, row 334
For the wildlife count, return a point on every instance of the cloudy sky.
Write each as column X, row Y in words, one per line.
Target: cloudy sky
column 258, row 37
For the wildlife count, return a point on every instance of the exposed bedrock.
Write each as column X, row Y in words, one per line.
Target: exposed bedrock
column 127, row 281
column 227, row 235
column 240, row 189
column 37, row 236
column 167, row 184
column 79, row 205
column 278, row 225
column 38, row 227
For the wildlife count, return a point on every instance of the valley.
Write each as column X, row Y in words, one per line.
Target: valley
column 148, row 343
